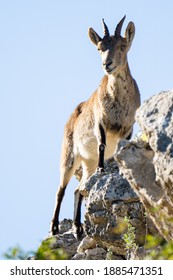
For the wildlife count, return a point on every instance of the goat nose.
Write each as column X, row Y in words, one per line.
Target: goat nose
column 107, row 64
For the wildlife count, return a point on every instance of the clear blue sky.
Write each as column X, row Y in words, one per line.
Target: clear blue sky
column 47, row 66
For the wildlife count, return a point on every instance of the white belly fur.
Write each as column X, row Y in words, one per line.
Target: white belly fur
column 88, row 148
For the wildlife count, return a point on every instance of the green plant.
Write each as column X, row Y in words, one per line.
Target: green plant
column 129, row 237
column 46, row 251
column 16, row 253
column 109, row 255
column 159, row 248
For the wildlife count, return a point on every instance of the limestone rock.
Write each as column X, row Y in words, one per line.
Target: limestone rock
column 149, row 169
column 155, row 117
column 110, row 200
column 85, row 249
column 86, row 243
column 91, row 254
column 67, row 240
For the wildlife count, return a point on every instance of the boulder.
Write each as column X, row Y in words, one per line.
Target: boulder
column 148, row 167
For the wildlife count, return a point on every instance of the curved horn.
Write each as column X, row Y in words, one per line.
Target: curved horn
column 119, row 27
column 105, row 28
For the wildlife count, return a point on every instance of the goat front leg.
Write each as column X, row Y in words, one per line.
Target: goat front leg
column 77, row 213
column 102, row 145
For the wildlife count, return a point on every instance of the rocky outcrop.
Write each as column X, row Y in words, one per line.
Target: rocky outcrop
column 121, row 209
column 74, row 249
column 109, row 200
column 149, row 167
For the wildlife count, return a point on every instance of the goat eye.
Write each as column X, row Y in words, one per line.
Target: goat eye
column 123, row 47
column 99, row 50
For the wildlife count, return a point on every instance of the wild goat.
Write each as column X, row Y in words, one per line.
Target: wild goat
column 94, row 128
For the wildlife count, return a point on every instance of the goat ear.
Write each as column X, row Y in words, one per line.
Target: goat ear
column 130, row 33
column 94, row 37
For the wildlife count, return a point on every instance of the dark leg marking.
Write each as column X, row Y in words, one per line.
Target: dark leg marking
column 55, row 220
column 101, row 149
column 77, row 213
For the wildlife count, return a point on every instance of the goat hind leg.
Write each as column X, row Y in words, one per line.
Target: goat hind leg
column 55, row 220
column 65, row 178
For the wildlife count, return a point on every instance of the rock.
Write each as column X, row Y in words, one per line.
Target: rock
column 66, row 239
column 86, row 243
column 85, row 249
column 155, row 117
column 65, row 225
column 91, row 254
column 79, row 256
column 110, row 200
column 149, row 168
column 95, row 254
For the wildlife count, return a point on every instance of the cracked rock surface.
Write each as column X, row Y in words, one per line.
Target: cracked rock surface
column 149, row 168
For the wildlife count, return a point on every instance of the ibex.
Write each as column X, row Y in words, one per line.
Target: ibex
column 94, row 128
